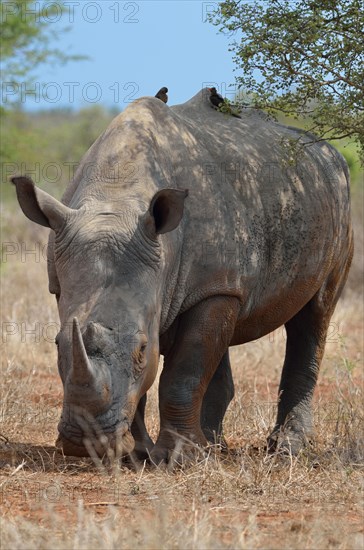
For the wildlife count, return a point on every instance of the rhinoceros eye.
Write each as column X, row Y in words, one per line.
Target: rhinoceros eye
column 139, row 359
column 141, row 353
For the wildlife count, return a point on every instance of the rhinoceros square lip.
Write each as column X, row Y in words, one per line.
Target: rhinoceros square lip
column 94, row 426
column 117, row 440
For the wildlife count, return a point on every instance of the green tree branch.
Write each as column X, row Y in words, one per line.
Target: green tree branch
column 302, row 58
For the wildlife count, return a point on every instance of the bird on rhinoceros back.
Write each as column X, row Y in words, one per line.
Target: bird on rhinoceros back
column 162, row 94
column 215, row 98
column 221, row 103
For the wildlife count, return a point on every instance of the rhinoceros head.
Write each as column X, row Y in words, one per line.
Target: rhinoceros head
column 107, row 269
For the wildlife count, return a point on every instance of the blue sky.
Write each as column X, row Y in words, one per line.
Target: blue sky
column 134, row 48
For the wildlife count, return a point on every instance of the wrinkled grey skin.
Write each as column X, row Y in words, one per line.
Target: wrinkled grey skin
column 140, row 269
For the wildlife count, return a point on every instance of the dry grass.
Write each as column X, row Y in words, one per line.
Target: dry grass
column 243, row 499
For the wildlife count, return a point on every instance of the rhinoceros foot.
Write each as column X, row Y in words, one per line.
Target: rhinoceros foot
column 177, row 458
column 143, row 448
column 287, row 441
column 142, row 451
column 178, row 451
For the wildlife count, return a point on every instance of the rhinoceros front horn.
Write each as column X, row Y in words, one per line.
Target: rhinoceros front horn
column 82, row 371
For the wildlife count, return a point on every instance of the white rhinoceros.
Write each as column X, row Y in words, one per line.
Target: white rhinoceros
column 141, row 267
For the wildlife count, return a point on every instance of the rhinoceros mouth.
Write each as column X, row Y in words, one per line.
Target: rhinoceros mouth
column 69, row 448
column 75, row 443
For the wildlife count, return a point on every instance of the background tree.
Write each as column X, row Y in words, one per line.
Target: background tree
column 27, row 31
column 303, row 58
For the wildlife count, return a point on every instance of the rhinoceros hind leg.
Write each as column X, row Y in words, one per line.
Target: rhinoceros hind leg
column 306, row 337
column 306, row 333
column 216, row 400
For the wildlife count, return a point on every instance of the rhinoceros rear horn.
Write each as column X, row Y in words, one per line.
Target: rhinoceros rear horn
column 82, row 371
column 38, row 206
column 166, row 207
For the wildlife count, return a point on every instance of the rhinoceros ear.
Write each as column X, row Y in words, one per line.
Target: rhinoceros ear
column 166, row 208
column 38, row 206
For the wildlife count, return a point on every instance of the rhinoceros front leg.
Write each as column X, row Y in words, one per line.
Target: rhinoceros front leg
column 143, row 443
column 201, row 340
column 216, row 400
